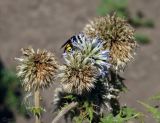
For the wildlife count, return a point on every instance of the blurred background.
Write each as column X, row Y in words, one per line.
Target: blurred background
column 49, row 23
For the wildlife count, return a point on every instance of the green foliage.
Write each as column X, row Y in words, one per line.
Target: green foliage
column 141, row 22
column 36, row 111
column 87, row 113
column 10, row 94
column 70, row 97
column 109, row 6
column 126, row 114
column 12, row 91
column 148, row 23
column 142, row 39
column 89, row 110
column 155, row 112
column 10, row 82
column 152, row 109
column 78, row 119
column 156, row 97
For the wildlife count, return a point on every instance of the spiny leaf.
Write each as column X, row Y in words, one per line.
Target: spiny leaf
column 126, row 114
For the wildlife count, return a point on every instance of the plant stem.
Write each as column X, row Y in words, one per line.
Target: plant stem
column 37, row 104
column 64, row 111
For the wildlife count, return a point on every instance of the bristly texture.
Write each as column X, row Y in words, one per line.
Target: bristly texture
column 77, row 75
column 92, row 50
column 118, row 37
column 37, row 69
column 102, row 98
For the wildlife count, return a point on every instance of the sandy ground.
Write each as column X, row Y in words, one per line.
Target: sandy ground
column 48, row 23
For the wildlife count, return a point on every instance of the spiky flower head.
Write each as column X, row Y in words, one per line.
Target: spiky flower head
column 78, row 74
column 92, row 50
column 118, row 37
column 36, row 69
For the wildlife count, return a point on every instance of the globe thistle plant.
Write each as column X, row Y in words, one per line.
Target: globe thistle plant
column 77, row 75
column 106, row 93
column 89, row 77
column 118, row 38
column 37, row 69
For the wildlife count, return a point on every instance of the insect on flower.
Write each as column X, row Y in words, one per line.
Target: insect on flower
column 68, row 45
column 81, row 69
column 91, row 49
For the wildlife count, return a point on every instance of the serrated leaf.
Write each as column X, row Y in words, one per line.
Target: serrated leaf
column 126, row 114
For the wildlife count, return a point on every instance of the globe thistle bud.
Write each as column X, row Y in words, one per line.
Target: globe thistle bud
column 77, row 75
column 118, row 38
column 36, row 69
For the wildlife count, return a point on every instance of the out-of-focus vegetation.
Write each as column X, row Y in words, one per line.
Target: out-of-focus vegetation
column 154, row 110
column 10, row 96
column 142, row 38
column 137, row 21
column 108, row 6
column 126, row 114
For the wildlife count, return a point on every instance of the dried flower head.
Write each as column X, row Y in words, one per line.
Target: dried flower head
column 78, row 74
column 118, row 37
column 36, row 69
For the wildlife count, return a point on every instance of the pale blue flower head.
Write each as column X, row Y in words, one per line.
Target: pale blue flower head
column 86, row 61
column 92, row 50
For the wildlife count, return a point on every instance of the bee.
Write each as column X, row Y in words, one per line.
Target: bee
column 68, row 45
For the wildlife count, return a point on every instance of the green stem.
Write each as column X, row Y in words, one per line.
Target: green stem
column 37, row 104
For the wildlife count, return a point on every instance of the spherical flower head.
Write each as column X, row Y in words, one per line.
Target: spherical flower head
column 37, row 69
column 77, row 75
column 92, row 50
column 118, row 38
